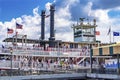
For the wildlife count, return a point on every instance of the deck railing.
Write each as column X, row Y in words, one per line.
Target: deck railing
column 49, row 51
column 18, row 68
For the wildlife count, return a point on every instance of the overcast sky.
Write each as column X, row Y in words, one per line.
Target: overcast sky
column 68, row 12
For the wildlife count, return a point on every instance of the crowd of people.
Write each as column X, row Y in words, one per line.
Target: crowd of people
column 41, row 63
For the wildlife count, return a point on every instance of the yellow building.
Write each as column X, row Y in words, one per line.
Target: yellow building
column 107, row 50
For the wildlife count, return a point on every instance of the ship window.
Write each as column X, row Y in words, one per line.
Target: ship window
column 111, row 50
column 71, row 45
column 100, row 51
column 76, row 45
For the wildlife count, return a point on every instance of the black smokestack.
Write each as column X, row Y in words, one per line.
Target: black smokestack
column 52, row 36
column 42, row 24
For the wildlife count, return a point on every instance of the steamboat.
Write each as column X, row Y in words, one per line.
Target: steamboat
column 21, row 53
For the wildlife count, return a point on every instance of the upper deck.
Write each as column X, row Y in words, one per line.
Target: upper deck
column 49, row 52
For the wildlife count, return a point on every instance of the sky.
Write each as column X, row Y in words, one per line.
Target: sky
column 67, row 13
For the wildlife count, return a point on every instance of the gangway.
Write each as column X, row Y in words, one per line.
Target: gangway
column 81, row 60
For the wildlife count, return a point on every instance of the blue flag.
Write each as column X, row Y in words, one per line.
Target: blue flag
column 109, row 31
column 116, row 34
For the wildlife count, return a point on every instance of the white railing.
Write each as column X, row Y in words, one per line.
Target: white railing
column 49, row 51
column 4, row 64
column 34, row 65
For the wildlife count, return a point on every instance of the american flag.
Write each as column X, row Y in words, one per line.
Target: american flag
column 19, row 26
column 97, row 32
column 3, row 46
column 9, row 31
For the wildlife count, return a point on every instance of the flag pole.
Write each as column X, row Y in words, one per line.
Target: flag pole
column 16, row 36
column 7, row 35
column 110, row 35
column 113, row 38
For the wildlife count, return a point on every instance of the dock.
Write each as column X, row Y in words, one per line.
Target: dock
column 68, row 76
column 83, row 74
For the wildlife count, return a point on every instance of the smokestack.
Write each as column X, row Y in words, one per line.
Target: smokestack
column 42, row 24
column 52, row 32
